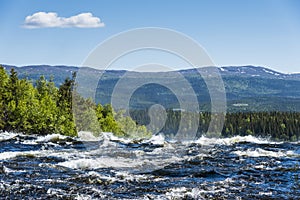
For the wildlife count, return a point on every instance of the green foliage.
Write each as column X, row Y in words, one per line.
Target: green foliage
column 262, row 93
column 130, row 128
column 46, row 109
column 66, row 123
column 85, row 114
column 3, row 96
column 35, row 110
column 106, row 119
column 97, row 118
column 277, row 125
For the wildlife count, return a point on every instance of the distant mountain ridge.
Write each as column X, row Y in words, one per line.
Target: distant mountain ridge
column 224, row 70
column 248, row 88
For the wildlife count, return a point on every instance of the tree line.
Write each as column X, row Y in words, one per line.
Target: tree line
column 283, row 126
column 277, row 125
column 42, row 108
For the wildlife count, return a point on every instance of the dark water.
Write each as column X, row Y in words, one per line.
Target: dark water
column 56, row 167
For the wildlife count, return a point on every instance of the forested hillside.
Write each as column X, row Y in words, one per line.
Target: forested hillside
column 248, row 88
column 37, row 105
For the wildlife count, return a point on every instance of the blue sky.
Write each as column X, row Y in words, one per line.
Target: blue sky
column 256, row 32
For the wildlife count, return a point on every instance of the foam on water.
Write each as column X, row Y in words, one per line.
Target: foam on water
column 91, row 160
column 9, row 154
column 87, row 136
column 176, row 193
column 232, row 140
column 111, row 137
column 99, row 163
column 158, row 139
column 6, row 136
column 152, row 168
column 261, row 153
column 49, row 138
column 99, row 175
column 9, row 170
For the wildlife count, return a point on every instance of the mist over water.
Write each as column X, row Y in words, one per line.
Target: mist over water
column 108, row 167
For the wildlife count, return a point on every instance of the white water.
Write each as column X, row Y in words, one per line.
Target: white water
column 261, row 152
column 86, row 159
column 232, row 140
column 110, row 160
column 6, row 136
column 12, row 154
column 103, row 156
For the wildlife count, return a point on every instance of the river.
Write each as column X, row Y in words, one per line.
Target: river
column 107, row 167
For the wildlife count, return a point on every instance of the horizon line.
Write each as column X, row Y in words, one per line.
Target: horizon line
column 128, row 69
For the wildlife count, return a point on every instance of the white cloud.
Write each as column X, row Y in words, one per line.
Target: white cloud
column 51, row 19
